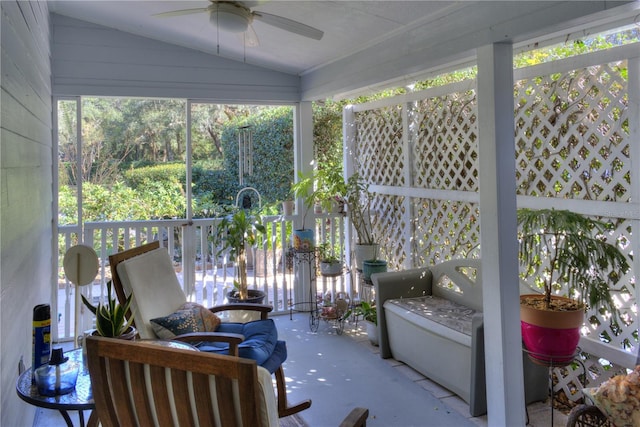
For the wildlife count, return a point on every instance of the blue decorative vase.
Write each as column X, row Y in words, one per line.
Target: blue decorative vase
column 303, row 240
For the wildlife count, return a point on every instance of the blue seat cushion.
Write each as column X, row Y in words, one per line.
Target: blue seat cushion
column 277, row 358
column 260, row 343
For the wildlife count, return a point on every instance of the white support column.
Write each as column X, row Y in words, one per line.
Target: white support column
column 303, row 148
column 349, row 145
column 498, row 228
column 303, row 158
column 409, row 138
column 634, row 135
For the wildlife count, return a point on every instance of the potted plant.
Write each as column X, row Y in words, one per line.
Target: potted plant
column 304, row 238
column 111, row 319
column 330, row 264
column 564, row 250
column 236, row 233
column 359, row 200
column 373, row 265
column 370, row 317
column 330, row 187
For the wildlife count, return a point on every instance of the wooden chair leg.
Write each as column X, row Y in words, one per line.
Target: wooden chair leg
column 284, row 410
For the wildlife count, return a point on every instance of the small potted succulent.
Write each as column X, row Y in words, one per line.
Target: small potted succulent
column 111, row 319
column 330, row 264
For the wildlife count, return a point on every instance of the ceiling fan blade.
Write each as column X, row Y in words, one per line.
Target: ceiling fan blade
column 289, row 25
column 181, row 12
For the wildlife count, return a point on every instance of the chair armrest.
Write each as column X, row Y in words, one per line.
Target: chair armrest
column 263, row 309
column 411, row 283
column 232, row 339
column 356, row 418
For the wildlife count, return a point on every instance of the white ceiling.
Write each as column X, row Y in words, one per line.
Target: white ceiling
column 364, row 43
column 348, row 26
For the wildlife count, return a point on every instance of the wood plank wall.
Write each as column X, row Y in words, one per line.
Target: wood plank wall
column 25, row 188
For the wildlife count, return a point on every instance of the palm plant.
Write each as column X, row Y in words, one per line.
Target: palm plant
column 237, row 232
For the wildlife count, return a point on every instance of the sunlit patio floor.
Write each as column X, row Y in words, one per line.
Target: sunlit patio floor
column 339, row 372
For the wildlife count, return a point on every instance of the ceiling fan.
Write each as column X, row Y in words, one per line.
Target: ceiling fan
column 237, row 16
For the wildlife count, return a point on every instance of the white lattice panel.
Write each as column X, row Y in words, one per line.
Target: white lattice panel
column 588, row 371
column 445, row 150
column 600, row 326
column 572, row 142
column 445, row 230
column 390, row 222
column 379, row 145
column 572, row 135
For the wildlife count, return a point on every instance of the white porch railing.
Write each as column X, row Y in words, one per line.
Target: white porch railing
column 211, row 274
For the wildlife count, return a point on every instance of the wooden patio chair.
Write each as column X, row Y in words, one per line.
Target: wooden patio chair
column 147, row 272
column 141, row 383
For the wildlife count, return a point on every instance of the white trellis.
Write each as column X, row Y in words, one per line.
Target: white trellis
column 577, row 136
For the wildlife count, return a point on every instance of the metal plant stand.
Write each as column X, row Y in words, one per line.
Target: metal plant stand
column 307, row 258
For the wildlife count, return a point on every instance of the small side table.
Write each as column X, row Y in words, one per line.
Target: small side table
column 81, row 399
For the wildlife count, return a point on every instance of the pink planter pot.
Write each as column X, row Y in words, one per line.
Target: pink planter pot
column 550, row 337
column 550, row 346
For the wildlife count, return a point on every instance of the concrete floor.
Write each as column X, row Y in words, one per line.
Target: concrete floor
column 339, row 372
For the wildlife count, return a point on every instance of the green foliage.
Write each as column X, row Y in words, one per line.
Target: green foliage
column 576, row 47
column 330, row 184
column 327, row 132
column 219, row 185
column 359, row 200
column 142, row 176
column 563, row 247
column 326, row 253
column 110, row 317
column 366, row 310
column 236, row 233
column 110, row 204
column 67, row 206
column 303, row 189
column 272, row 150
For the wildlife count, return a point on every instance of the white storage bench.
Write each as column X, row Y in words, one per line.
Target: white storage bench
column 431, row 319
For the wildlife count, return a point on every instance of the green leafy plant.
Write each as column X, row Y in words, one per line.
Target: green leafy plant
column 366, row 310
column 359, row 200
column 560, row 247
column 304, row 189
column 235, row 233
column 110, row 317
column 326, row 253
column 330, row 185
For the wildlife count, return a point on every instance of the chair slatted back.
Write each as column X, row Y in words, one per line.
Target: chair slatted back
column 141, row 383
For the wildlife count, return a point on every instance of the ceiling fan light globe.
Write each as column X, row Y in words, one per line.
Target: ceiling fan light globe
column 233, row 21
